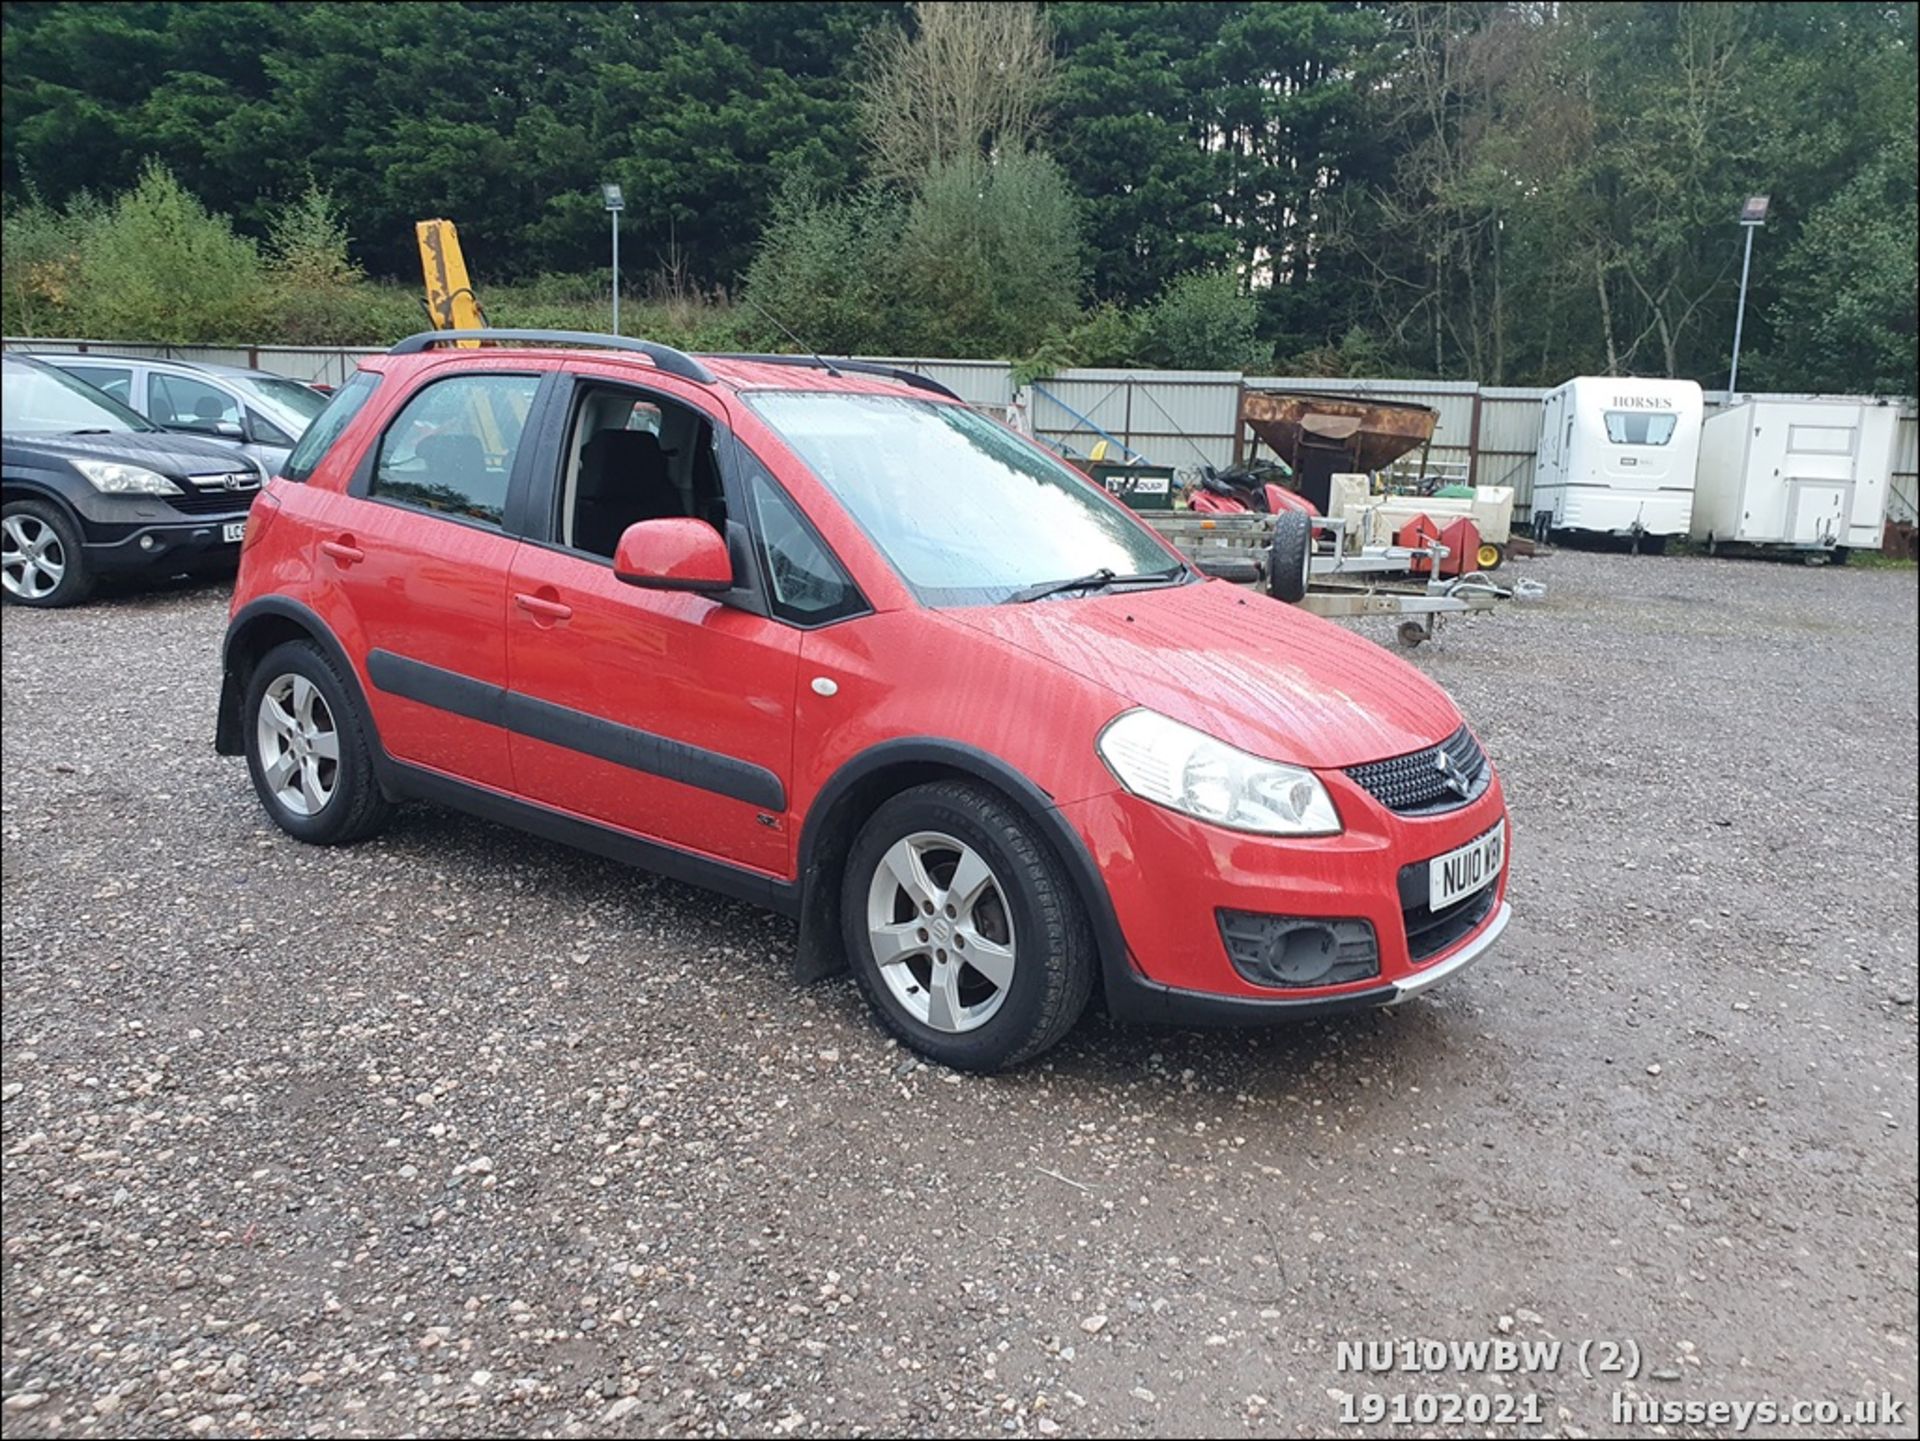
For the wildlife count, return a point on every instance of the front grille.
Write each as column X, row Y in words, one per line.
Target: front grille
column 1416, row 784
column 1429, row 932
column 210, row 494
column 1292, row 951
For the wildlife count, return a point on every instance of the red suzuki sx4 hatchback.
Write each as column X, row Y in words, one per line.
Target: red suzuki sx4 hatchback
column 820, row 636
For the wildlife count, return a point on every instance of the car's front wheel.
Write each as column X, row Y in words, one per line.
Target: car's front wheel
column 307, row 748
column 41, row 562
column 964, row 932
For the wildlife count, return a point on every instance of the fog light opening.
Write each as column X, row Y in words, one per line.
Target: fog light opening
column 1299, row 952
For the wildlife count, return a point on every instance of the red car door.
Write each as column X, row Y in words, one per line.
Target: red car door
column 412, row 566
column 663, row 713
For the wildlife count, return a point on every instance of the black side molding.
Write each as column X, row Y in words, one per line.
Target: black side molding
column 576, row 730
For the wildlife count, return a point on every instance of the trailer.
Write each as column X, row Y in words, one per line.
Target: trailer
column 1337, row 577
column 1795, row 475
column 1617, row 457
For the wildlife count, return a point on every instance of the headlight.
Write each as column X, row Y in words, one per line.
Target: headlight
column 1176, row 766
column 116, row 479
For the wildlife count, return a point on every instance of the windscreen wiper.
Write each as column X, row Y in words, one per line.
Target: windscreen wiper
column 1101, row 579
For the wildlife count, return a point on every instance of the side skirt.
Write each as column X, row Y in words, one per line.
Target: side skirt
column 413, row 782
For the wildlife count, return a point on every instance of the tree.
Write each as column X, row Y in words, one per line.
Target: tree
column 1845, row 317
column 967, row 86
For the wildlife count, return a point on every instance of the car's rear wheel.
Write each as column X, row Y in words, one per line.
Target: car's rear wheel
column 307, row 748
column 964, row 932
column 41, row 561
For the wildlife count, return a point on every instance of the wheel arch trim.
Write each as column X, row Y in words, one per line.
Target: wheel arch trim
column 827, row 834
column 229, row 724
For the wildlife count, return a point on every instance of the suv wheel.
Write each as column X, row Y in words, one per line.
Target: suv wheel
column 307, row 749
column 964, row 932
column 41, row 562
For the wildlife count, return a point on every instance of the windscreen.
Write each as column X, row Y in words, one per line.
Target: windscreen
column 965, row 511
column 40, row 400
column 299, row 402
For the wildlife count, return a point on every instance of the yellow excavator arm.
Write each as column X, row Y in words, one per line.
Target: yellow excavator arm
column 450, row 298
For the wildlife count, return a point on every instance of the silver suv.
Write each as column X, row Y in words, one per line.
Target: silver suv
column 263, row 414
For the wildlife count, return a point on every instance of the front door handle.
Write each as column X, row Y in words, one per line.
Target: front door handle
column 344, row 550
column 542, row 608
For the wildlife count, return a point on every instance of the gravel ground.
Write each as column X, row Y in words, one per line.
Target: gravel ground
column 460, row 1132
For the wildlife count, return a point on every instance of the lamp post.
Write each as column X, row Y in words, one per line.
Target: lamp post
column 1752, row 216
column 615, row 204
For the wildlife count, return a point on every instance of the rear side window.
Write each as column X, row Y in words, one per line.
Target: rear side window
column 326, row 427
column 451, row 447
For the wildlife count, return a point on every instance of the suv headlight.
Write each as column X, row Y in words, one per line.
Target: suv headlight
column 112, row 478
column 1176, row 766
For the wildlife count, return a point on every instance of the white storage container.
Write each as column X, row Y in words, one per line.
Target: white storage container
column 1617, row 457
column 1803, row 474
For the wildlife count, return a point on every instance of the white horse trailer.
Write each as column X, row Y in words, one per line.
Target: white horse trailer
column 1617, row 457
column 1798, row 474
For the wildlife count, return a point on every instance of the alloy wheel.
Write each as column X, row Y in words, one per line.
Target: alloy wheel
column 941, row 931
column 299, row 745
column 33, row 562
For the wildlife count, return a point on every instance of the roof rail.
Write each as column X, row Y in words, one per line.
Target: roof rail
column 861, row 367
column 664, row 357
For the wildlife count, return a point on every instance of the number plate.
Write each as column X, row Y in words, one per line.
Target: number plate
column 1461, row 872
column 235, row 533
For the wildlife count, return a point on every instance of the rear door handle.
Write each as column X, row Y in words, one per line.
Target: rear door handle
column 542, row 607
column 344, row 551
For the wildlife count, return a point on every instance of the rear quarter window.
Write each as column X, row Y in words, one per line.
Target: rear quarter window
column 328, row 425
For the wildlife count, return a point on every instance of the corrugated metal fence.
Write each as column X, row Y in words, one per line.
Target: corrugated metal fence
column 1181, row 418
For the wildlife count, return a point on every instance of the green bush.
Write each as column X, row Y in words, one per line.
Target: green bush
column 40, row 264
column 989, row 258
column 158, row 267
column 1205, row 321
column 821, row 272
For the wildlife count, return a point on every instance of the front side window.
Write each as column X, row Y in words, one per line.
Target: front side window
column 452, row 446
column 1641, row 427
column 965, row 511
column 43, row 400
column 182, row 404
column 326, row 428
column 807, row 585
column 631, row 459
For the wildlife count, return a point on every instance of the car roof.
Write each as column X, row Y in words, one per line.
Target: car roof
column 730, row 372
column 194, row 367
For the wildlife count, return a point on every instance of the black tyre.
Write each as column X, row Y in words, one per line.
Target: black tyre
column 41, row 560
column 1289, row 556
column 308, row 749
column 963, row 930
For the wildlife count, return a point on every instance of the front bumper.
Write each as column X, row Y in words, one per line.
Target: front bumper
column 1139, row 999
column 1168, row 877
column 171, row 545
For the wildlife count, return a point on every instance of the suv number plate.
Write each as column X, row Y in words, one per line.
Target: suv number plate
column 235, row 533
column 1459, row 873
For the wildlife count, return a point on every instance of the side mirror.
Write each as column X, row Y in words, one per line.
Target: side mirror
column 675, row 553
column 229, row 430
